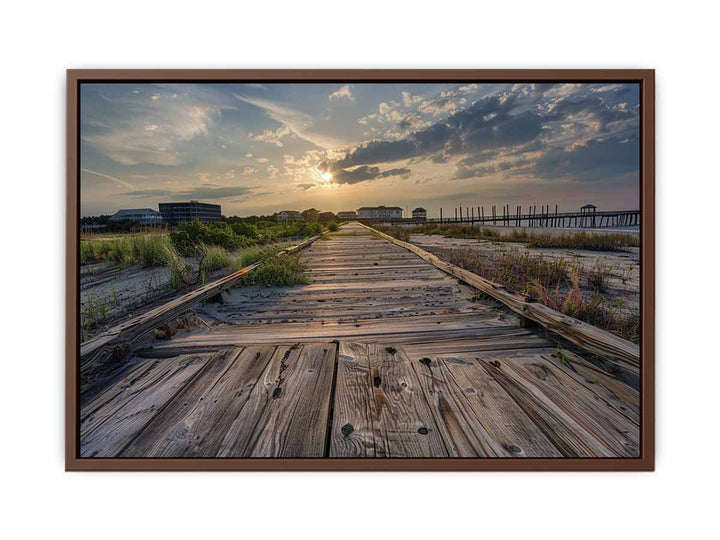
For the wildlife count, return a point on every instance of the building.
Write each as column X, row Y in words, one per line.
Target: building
column 286, row 215
column 326, row 216
column 347, row 214
column 174, row 213
column 141, row 216
column 419, row 213
column 589, row 208
column 380, row 212
column 310, row 215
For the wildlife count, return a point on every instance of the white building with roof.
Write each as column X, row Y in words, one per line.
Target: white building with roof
column 380, row 212
column 143, row 216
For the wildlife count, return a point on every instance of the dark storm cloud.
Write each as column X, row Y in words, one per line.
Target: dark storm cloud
column 364, row 173
column 593, row 106
column 488, row 123
column 598, row 159
column 527, row 127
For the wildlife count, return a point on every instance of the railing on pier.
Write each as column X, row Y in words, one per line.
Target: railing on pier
column 620, row 218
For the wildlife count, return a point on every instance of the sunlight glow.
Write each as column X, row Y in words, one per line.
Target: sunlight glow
column 326, row 176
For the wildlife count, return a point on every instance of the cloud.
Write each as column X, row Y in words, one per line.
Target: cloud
column 152, row 132
column 591, row 160
column 488, row 123
column 145, row 193
column 445, row 103
column 303, row 187
column 365, row 173
column 342, row 93
column 272, row 136
column 111, row 178
column 297, row 122
column 507, row 132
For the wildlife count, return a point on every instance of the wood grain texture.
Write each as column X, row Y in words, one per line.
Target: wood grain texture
column 195, row 423
column 379, row 396
column 608, row 426
column 475, row 415
column 114, row 418
column 286, row 413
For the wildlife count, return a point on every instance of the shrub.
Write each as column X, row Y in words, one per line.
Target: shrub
column 279, row 270
column 333, row 226
column 215, row 259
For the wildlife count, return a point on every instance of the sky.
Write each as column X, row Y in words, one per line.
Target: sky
column 257, row 149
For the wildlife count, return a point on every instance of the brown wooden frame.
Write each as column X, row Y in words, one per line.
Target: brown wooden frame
column 646, row 461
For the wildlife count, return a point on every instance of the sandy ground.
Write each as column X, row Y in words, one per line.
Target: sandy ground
column 127, row 291
column 623, row 266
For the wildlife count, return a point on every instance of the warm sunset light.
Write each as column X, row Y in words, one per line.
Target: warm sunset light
column 326, row 176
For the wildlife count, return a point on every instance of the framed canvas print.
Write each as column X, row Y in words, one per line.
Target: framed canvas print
column 360, row 270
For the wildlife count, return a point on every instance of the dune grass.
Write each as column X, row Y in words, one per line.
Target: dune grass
column 279, row 270
column 143, row 249
column 534, row 239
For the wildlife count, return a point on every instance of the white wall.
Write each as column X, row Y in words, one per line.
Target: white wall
column 40, row 40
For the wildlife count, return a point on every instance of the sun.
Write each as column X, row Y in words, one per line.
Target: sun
column 327, row 176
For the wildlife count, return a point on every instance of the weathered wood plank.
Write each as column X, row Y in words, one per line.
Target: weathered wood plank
column 296, row 422
column 287, row 411
column 114, row 418
column 587, row 409
column 402, row 424
column 617, row 394
column 475, row 415
column 568, row 436
column 195, row 423
column 352, row 433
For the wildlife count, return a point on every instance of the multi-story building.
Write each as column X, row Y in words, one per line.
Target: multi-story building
column 310, row 214
column 347, row 214
column 419, row 213
column 174, row 213
column 326, row 216
column 382, row 212
column 286, row 215
column 142, row 216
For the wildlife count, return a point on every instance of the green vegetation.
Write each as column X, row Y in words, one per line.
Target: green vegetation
column 333, row 226
column 594, row 309
column 215, row 258
column 536, row 239
column 515, row 270
column 279, row 270
column 94, row 314
column 555, row 283
column 144, row 249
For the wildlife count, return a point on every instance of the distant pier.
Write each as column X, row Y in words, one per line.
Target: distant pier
column 587, row 217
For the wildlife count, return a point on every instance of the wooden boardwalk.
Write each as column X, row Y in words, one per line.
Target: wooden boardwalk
column 380, row 355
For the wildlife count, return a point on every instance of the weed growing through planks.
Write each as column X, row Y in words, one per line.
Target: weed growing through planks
column 94, row 314
column 597, row 277
column 279, row 270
